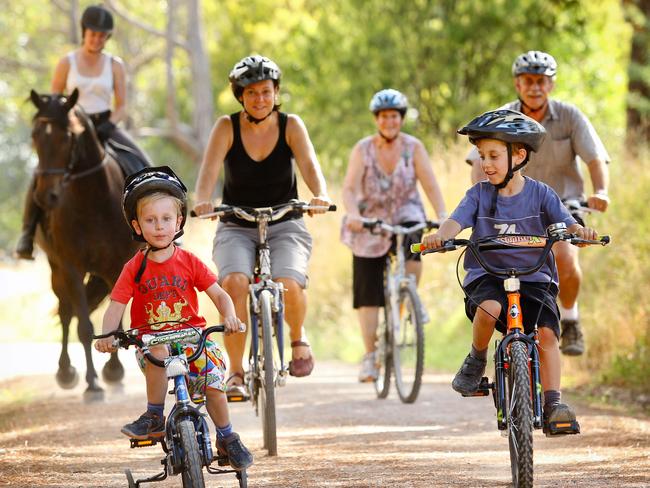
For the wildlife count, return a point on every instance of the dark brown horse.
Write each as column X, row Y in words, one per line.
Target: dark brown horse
column 79, row 186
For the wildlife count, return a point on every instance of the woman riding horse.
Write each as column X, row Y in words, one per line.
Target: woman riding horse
column 99, row 77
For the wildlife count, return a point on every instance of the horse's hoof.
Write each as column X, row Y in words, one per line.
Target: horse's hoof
column 113, row 372
column 93, row 394
column 67, row 378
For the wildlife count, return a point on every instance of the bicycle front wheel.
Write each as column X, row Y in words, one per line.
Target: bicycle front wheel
column 520, row 416
column 408, row 345
column 383, row 355
column 192, row 473
column 267, row 391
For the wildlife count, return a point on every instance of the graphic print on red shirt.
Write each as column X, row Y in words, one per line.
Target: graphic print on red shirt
column 166, row 297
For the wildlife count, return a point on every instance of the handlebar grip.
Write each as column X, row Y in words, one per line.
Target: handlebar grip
column 193, row 213
column 417, row 247
column 604, row 240
column 332, row 208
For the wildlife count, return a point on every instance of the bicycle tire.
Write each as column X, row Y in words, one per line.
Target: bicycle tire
column 192, row 473
column 383, row 356
column 520, row 416
column 408, row 345
column 267, row 391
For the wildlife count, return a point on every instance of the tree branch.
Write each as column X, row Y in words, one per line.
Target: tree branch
column 122, row 13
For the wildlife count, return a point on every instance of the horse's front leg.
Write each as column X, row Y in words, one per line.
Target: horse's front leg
column 96, row 291
column 66, row 376
column 75, row 283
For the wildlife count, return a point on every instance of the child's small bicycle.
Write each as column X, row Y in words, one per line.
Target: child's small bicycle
column 186, row 442
column 517, row 389
column 400, row 336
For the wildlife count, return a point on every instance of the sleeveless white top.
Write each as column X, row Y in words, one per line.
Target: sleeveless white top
column 95, row 92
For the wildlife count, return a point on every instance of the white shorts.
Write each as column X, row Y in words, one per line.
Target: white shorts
column 234, row 250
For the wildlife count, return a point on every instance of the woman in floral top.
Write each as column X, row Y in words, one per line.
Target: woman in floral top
column 381, row 182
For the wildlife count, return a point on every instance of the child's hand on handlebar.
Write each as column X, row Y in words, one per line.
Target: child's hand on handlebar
column 105, row 345
column 432, row 241
column 233, row 325
column 586, row 233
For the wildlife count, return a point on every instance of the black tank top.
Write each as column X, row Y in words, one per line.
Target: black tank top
column 250, row 183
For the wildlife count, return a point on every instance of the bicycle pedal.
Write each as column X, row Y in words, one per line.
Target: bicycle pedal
column 143, row 442
column 221, row 460
column 238, row 398
column 570, row 427
column 482, row 390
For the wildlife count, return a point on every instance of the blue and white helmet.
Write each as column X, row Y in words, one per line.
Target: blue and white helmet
column 389, row 99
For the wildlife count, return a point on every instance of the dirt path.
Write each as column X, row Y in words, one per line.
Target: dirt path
column 333, row 433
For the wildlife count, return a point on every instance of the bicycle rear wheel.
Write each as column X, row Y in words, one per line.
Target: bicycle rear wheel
column 267, row 390
column 408, row 345
column 520, row 416
column 383, row 355
column 192, row 473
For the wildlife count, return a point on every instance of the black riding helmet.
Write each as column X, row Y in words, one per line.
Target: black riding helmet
column 508, row 126
column 147, row 181
column 96, row 18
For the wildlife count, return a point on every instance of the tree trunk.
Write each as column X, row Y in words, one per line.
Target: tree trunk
column 200, row 66
column 638, row 100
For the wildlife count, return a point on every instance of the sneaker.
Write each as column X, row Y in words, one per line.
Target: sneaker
column 147, row 426
column 572, row 343
column 560, row 419
column 468, row 378
column 369, row 371
column 234, row 449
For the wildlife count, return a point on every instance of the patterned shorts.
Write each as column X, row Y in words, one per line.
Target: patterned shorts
column 209, row 369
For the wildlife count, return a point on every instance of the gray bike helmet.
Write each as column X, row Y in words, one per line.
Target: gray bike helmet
column 535, row 63
column 388, row 99
column 150, row 180
column 97, row 18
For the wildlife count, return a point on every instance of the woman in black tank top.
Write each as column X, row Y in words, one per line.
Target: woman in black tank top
column 256, row 148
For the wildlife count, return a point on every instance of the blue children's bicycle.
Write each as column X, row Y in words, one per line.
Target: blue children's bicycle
column 186, row 442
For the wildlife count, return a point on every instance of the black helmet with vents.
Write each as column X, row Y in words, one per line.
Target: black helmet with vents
column 150, row 180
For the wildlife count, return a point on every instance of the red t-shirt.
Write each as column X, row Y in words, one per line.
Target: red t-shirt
column 165, row 298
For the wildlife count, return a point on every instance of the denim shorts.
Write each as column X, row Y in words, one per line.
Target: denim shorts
column 235, row 247
column 536, row 299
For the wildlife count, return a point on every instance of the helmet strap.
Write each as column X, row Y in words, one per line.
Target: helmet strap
column 255, row 120
column 388, row 140
column 506, row 180
column 149, row 249
column 532, row 110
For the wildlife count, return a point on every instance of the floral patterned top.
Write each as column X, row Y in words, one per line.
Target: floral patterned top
column 393, row 198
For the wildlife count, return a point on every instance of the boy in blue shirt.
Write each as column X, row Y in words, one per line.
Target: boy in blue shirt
column 509, row 203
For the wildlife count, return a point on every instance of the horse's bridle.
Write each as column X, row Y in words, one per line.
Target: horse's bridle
column 68, row 172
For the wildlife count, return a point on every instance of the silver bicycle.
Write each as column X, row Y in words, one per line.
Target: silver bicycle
column 267, row 368
column 400, row 336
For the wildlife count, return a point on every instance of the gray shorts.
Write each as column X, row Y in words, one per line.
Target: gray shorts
column 234, row 250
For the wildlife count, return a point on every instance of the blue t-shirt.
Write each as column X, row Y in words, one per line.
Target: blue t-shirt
column 530, row 211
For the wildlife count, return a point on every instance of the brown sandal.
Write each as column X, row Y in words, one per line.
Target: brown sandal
column 301, row 366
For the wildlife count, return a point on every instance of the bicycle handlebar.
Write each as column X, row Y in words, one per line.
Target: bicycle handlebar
column 126, row 338
column 252, row 214
column 373, row 224
column 510, row 241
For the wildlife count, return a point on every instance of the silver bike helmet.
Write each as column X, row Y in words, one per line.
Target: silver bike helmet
column 536, row 63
